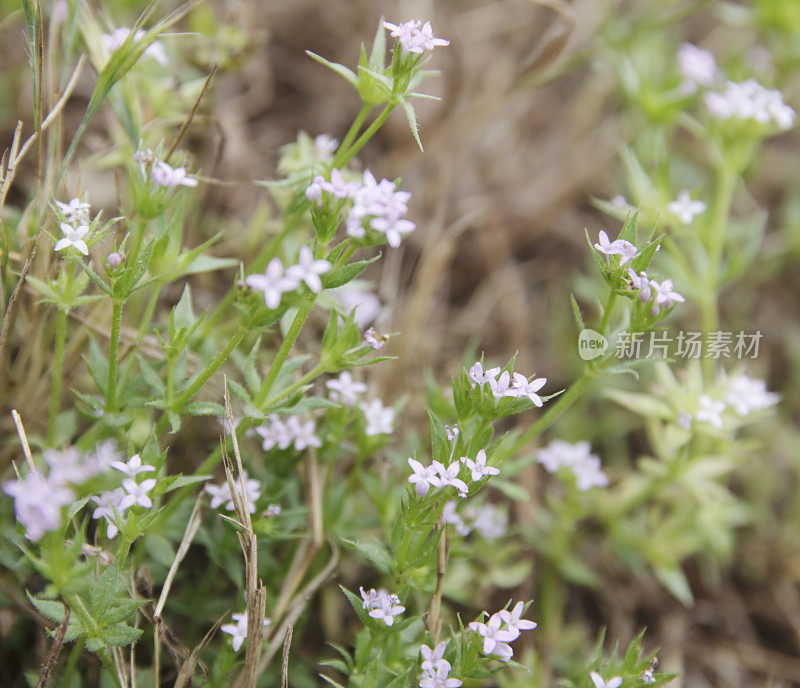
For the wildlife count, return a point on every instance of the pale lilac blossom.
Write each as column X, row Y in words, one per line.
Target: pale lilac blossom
column 116, row 38
column 374, row 340
column 710, row 411
column 415, row 37
column 137, row 493
column 749, row 100
column 449, row 477
column 133, row 467
column 640, row 283
column 308, row 270
column 479, row 376
column 584, row 465
column 745, row 395
column 619, row 247
column 685, row 209
column 423, row 477
column 273, row 283
column 345, row 389
column 478, row 467
column 162, row 174
column 238, row 630
column 75, row 211
column 600, row 682
column 107, row 503
column 381, row 605
column 37, row 503
column 665, row 295
column 379, row 418
column 73, row 236
column 698, row 67
column 514, row 621
column 522, row 387
column 325, row 146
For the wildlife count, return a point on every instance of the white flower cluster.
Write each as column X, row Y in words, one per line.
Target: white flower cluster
column 662, row 293
column 619, row 247
column 117, row 37
column 613, row 682
column 325, row 146
column 750, row 100
column 698, row 67
column 414, row 36
column 115, row 502
column 501, row 629
column 282, row 434
column 743, row 394
column 578, row 458
column 436, row 669
column 378, row 202
column 504, row 385
column 487, row 520
column 438, row 476
column 274, row 283
column 38, row 498
column 75, row 227
column 249, row 488
column 238, row 630
column 381, row 605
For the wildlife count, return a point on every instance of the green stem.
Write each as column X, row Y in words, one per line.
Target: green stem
column 709, row 311
column 147, row 316
column 201, row 378
column 607, row 312
column 58, row 373
column 72, row 661
column 308, row 377
column 351, row 134
column 283, row 352
column 366, row 136
column 113, row 355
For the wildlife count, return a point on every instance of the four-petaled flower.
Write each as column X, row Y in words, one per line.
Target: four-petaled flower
column 73, row 236
column 495, row 637
column 273, row 283
column 710, row 411
column 308, row 270
column 524, row 388
column 413, row 38
column 479, row 376
column 423, row 477
column 619, row 247
column 600, row 682
column 513, row 621
column 449, row 476
column 345, row 389
column 75, row 211
column 238, row 630
column 162, row 174
column 685, row 209
column 665, row 294
column 133, row 467
column 137, row 492
column 479, row 468
column 379, row 418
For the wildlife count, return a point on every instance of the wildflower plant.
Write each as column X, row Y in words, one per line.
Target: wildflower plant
column 307, row 465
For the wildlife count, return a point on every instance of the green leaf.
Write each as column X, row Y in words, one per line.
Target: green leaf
column 182, row 313
column 336, row 278
column 341, row 70
column 675, row 581
column 121, row 634
column 375, row 552
column 50, row 608
column 412, row 119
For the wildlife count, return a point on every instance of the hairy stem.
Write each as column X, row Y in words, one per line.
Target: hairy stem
column 351, row 134
column 58, row 373
column 113, row 356
column 366, row 136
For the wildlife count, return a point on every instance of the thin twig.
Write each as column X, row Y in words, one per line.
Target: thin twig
column 23, row 438
column 287, row 643
column 434, row 612
column 191, row 114
column 58, row 642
